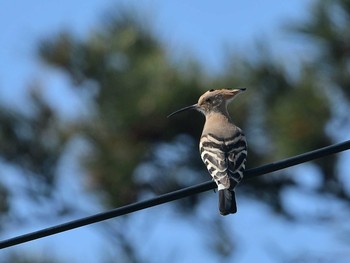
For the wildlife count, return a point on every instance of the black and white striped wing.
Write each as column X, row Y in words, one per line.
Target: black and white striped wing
column 224, row 158
column 236, row 149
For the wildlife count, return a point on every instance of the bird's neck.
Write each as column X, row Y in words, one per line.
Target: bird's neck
column 219, row 124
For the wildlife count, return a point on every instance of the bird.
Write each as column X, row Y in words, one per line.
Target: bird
column 222, row 145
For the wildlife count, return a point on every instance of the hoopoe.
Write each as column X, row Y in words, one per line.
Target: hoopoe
column 222, row 146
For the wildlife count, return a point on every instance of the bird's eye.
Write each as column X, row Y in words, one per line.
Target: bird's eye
column 211, row 90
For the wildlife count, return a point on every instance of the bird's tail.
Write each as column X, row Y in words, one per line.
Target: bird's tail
column 227, row 202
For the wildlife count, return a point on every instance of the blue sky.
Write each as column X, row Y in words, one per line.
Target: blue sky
column 202, row 28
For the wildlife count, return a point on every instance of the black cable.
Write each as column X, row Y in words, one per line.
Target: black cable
column 322, row 152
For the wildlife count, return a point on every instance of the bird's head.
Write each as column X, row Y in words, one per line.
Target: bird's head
column 212, row 101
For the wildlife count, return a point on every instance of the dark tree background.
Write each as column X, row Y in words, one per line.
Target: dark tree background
column 136, row 152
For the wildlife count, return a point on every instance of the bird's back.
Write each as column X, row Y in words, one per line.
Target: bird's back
column 224, row 157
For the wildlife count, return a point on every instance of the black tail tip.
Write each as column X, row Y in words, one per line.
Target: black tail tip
column 225, row 212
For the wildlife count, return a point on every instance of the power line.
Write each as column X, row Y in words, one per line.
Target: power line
column 250, row 173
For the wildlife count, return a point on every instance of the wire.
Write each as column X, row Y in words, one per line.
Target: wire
column 250, row 173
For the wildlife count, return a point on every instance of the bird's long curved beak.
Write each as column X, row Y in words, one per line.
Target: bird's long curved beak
column 192, row 107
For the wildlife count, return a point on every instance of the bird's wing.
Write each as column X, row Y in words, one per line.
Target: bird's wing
column 236, row 149
column 224, row 158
